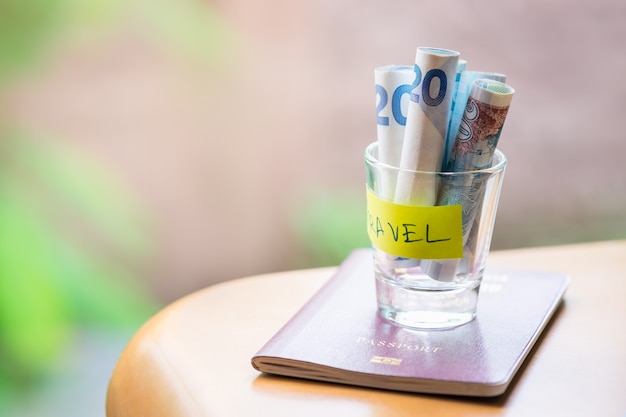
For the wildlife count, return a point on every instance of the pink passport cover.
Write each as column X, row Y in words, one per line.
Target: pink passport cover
column 339, row 332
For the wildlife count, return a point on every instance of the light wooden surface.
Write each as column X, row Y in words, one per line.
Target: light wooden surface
column 193, row 358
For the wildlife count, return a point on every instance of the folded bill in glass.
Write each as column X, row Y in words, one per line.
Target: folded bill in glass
column 474, row 148
column 427, row 121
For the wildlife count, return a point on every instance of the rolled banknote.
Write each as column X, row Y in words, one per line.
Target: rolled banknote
column 465, row 80
column 426, row 124
column 393, row 86
column 481, row 126
column 474, row 148
column 460, row 70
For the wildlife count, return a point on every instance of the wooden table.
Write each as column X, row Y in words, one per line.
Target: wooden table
column 193, row 357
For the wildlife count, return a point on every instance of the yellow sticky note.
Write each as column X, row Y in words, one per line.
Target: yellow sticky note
column 420, row 232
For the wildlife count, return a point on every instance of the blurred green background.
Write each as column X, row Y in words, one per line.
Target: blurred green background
column 74, row 240
column 152, row 148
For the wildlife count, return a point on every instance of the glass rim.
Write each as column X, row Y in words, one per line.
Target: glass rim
column 499, row 165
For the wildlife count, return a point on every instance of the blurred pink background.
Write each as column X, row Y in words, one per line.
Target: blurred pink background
column 223, row 152
column 220, row 151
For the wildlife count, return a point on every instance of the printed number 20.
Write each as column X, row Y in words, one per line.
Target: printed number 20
column 429, row 100
column 396, row 101
column 396, row 98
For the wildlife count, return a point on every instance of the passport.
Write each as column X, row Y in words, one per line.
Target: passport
column 338, row 336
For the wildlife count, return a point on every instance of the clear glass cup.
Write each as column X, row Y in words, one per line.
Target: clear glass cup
column 429, row 255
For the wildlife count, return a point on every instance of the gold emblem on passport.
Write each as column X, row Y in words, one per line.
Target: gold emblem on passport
column 385, row 360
